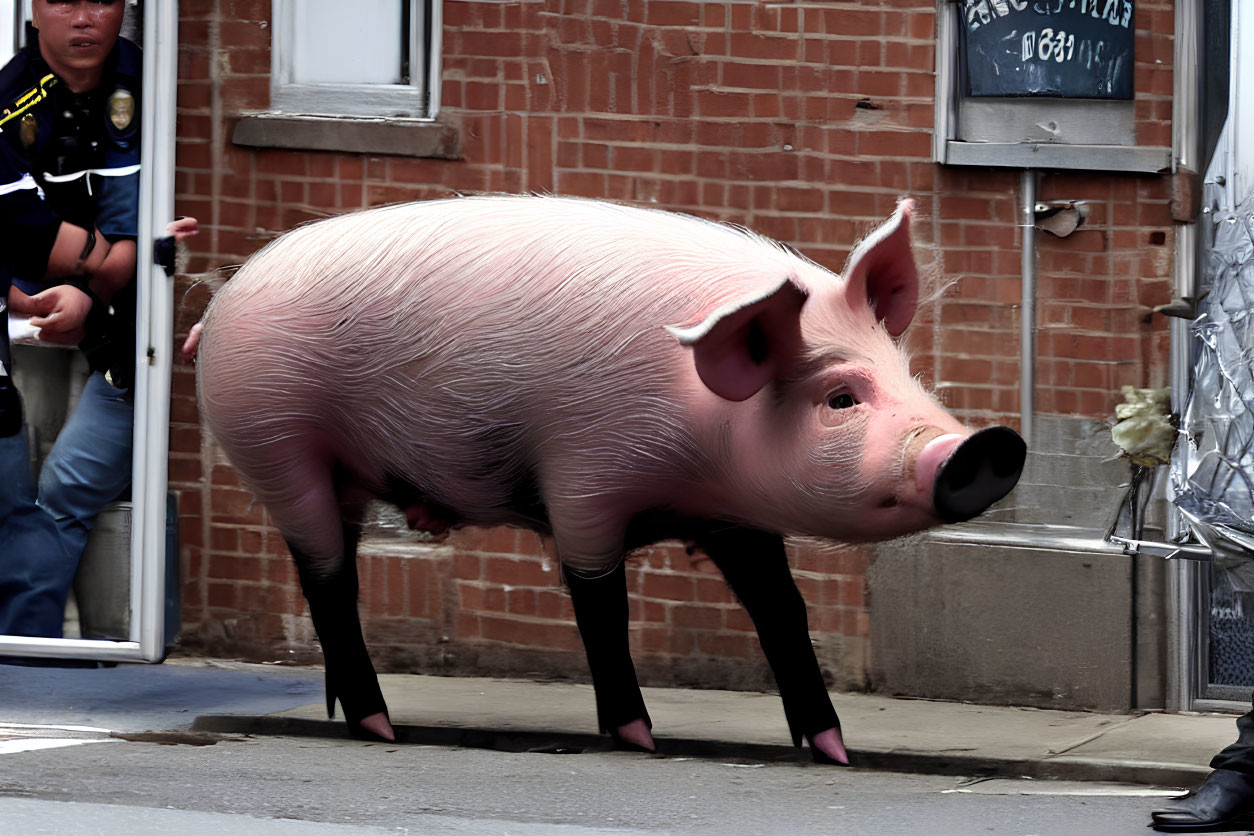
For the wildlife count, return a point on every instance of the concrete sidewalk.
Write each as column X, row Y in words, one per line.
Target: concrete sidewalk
column 215, row 697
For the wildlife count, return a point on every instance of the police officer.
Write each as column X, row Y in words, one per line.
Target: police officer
column 69, row 182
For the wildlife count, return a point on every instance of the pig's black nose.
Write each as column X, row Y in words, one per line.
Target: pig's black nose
column 983, row 469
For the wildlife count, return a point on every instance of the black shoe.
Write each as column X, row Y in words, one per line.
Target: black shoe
column 1224, row 801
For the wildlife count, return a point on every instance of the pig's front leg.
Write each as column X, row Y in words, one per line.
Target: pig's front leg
column 755, row 565
column 589, row 531
column 601, row 613
column 350, row 675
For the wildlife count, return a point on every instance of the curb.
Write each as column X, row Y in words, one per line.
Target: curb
column 1062, row 768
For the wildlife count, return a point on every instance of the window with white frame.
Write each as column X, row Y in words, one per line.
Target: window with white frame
column 364, row 58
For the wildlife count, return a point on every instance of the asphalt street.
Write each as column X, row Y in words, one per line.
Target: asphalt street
column 197, row 783
column 210, row 747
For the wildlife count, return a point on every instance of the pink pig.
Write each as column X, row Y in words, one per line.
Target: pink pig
column 574, row 367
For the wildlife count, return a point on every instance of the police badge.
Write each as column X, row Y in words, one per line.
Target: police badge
column 121, row 109
column 28, row 130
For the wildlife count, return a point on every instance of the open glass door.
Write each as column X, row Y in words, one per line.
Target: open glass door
column 1213, row 475
column 122, row 594
column 1225, row 466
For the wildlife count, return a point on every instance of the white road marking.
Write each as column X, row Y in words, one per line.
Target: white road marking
column 1009, row 786
column 29, row 737
column 31, row 744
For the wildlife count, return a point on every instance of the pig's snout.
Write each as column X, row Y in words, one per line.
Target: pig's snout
column 968, row 474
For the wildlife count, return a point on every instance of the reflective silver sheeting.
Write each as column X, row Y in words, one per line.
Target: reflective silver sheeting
column 1212, row 474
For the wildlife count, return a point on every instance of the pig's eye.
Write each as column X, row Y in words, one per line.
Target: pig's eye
column 841, row 400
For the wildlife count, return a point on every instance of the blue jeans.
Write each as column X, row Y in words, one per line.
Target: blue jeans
column 43, row 535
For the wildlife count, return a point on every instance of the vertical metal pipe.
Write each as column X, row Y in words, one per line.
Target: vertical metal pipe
column 1182, row 607
column 1027, row 305
column 1186, row 138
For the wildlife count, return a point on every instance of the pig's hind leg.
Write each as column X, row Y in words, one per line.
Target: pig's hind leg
column 328, row 579
column 755, row 565
column 601, row 613
column 350, row 675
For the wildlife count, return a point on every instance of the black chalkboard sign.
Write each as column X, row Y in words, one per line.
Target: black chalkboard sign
column 1069, row 48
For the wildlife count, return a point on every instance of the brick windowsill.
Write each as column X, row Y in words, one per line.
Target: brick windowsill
column 401, row 137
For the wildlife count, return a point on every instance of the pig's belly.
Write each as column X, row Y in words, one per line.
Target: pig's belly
column 490, row 500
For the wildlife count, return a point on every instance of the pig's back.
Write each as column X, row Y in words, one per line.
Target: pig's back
column 452, row 345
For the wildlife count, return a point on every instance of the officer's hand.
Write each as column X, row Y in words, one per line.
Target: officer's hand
column 58, row 312
column 182, row 228
column 19, row 302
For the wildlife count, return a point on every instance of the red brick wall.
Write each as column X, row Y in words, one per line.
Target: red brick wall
column 806, row 121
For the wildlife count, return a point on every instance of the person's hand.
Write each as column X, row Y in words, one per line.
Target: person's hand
column 182, row 228
column 58, row 312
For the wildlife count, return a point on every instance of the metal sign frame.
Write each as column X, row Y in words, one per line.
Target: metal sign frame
column 1032, row 133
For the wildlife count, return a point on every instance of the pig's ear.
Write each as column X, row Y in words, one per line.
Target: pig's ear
column 742, row 346
column 881, row 272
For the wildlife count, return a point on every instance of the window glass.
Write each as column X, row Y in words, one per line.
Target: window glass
column 349, row 43
column 367, row 58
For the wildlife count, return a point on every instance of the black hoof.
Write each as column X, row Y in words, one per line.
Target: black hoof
column 358, row 702
column 822, row 757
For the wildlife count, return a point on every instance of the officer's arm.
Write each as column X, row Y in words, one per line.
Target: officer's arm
column 28, row 228
column 74, row 253
column 34, row 240
column 117, row 270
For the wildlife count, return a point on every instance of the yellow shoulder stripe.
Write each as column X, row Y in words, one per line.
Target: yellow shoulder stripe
column 28, row 99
